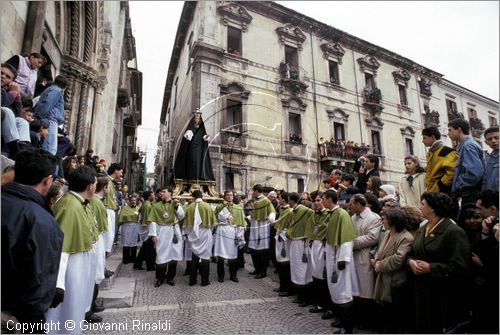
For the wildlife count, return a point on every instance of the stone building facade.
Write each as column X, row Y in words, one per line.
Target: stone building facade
column 272, row 84
column 90, row 43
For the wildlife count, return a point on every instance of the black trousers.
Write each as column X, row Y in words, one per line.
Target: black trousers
column 241, row 257
column 147, row 253
column 320, row 294
column 129, row 254
column 204, row 269
column 285, row 277
column 166, row 270
column 345, row 313
column 233, row 267
column 260, row 260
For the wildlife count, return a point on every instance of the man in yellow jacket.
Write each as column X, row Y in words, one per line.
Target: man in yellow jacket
column 441, row 161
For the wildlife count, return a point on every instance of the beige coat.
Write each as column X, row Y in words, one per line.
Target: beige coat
column 410, row 196
column 368, row 226
column 393, row 271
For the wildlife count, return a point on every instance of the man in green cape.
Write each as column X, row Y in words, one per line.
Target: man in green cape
column 200, row 219
column 340, row 270
column 229, row 235
column 300, row 232
column 282, row 246
column 77, row 269
column 147, row 251
column 262, row 215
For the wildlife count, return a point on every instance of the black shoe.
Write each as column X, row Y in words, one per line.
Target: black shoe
column 341, row 331
column 98, row 309
column 93, row 318
column 285, row 294
column 159, row 282
column 170, row 282
column 205, row 284
column 108, row 273
column 316, row 309
column 335, row 323
column 254, row 272
column 297, row 301
column 327, row 315
column 192, row 283
column 235, row 279
column 260, row 276
column 220, row 279
column 304, row 304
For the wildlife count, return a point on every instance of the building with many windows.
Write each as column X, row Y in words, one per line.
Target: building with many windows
column 91, row 44
column 286, row 98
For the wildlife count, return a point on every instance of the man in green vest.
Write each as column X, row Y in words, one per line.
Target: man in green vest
column 147, row 251
column 229, row 235
column 320, row 293
column 78, row 265
column 340, row 270
column 115, row 171
column 282, row 246
column 163, row 220
column 300, row 232
column 95, row 202
column 200, row 219
column 262, row 215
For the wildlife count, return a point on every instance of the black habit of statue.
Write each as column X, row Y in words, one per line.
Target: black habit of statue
column 193, row 159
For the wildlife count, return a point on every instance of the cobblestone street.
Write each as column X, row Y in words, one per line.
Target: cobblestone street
column 249, row 306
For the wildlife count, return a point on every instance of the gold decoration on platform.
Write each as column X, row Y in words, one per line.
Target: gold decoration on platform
column 184, row 188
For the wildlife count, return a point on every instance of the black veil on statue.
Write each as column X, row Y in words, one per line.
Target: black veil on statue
column 193, row 159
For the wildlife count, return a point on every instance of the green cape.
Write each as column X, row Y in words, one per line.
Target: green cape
column 110, row 199
column 262, row 207
column 340, row 228
column 206, row 213
column 302, row 223
column 128, row 214
column 284, row 219
column 77, row 222
column 162, row 213
column 100, row 213
column 144, row 211
column 236, row 211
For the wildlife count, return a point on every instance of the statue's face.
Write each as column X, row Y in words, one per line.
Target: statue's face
column 197, row 118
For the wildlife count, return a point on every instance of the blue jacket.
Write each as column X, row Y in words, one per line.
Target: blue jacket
column 31, row 250
column 51, row 105
column 490, row 180
column 469, row 170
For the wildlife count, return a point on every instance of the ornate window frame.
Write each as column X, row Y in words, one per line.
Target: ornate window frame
column 339, row 116
column 333, row 51
column 291, row 35
column 235, row 15
column 234, row 91
column 369, row 64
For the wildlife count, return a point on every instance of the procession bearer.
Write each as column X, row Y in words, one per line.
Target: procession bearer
column 300, row 232
column 229, row 235
column 262, row 215
column 340, row 270
column 129, row 222
column 282, row 246
column 200, row 219
column 164, row 228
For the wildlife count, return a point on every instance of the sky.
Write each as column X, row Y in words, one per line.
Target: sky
column 459, row 39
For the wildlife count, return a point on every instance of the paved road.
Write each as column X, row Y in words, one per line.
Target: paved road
column 247, row 307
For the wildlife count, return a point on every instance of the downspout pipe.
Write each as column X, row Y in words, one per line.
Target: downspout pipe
column 318, row 170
